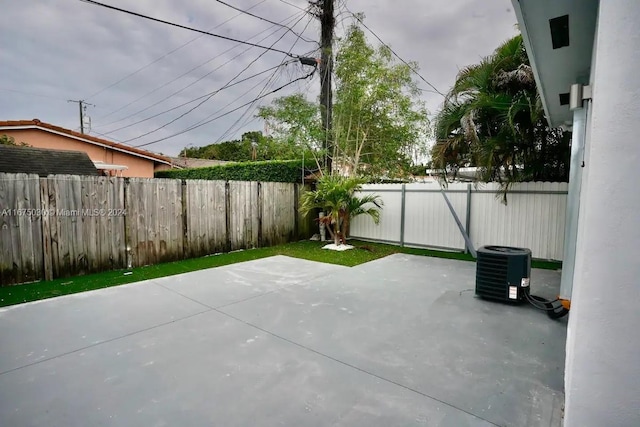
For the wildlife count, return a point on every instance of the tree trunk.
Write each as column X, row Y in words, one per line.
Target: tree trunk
column 345, row 227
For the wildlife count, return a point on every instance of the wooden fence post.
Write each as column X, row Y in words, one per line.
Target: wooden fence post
column 259, row 212
column 127, row 225
column 227, row 212
column 296, row 219
column 46, row 229
column 186, row 251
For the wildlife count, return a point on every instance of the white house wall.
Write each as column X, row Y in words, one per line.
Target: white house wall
column 603, row 344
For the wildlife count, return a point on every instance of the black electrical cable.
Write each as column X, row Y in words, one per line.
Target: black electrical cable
column 266, row 86
column 395, row 54
column 553, row 308
column 186, row 73
column 214, row 93
column 294, row 5
column 270, row 81
column 197, row 99
column 133, row 73
column 189, row 129
column 538, row 302
column 210, row 94
column 208, row 97
column 252, row 108
column 300, row 37
column 184, row 27
column 34, row 94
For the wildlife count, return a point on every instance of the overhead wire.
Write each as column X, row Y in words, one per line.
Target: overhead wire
column 184, row 27
column 269, row 82
column 295, row 5
column 33, row 94
column 165, row 55
column 207, row 121
column 395, row 54
column 300, row 36
column 193, row 100
column 208, row 97
column 252, row 107
column 250, row 118
column 212, row 94
column 190, row 84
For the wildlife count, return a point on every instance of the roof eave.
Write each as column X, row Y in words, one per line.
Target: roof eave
column 532, row 60
column 88, row 141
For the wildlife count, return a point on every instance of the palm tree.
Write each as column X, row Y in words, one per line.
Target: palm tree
column 492, row 118
column 335, row 195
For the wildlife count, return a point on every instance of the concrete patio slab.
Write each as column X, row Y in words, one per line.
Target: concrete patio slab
column 279, row 341
column 230, row 284
column 415, row 321
column 209, row 370
column 44, row 329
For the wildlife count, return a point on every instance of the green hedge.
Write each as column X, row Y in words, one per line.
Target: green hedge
column 274, row 171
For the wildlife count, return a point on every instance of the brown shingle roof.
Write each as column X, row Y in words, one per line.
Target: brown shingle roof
column 45, row 162
column 42, row 125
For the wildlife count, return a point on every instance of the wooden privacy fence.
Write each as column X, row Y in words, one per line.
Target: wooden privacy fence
column 417, row 215
column 66, row 225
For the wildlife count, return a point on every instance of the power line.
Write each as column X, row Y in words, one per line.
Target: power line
column 294, row 5
column 32, row 94
column 162, row 21
column 106, row 136
column 210, row 96
column 229, row 112
column 165, row 55
column 396, row 55
column 233, row 101
column 252, row 107
column 194, row 100
column 300, row 37
column 184, row 74
column 269, row 81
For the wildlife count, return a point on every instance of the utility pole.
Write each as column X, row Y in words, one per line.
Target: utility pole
column 327, row 24
column 82, row 106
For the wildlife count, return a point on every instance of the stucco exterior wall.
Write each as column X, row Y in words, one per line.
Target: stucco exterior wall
column 138, row 166
column 603, row 343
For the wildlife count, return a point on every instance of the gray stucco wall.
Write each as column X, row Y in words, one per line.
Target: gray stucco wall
column 603, row 344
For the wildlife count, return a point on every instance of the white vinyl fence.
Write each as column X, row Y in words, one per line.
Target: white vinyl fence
column 417, row 215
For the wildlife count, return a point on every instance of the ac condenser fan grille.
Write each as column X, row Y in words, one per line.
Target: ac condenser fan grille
column 491, row 275
column 500, row 271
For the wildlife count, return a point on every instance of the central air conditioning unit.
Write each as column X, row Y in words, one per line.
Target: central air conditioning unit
column 503, row 273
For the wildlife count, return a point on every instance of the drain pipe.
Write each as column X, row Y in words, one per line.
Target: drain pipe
column 466, row 237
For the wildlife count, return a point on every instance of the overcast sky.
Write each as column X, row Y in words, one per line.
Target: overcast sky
column 55, row 50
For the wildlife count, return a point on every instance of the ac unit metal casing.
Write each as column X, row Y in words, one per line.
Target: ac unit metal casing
column 503, row 273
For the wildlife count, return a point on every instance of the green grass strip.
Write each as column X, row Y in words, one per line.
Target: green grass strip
column 364, row 252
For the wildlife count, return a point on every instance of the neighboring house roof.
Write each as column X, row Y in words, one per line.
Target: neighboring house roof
column 189, row 162
column 45, row 162
column 37, row 124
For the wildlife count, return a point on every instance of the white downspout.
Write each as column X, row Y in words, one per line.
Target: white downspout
column 573, row 198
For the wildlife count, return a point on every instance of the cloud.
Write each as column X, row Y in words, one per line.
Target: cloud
column 56, row 50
